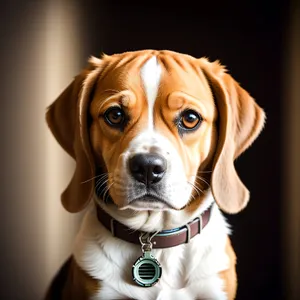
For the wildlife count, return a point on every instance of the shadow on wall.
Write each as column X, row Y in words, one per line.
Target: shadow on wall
column 291, row 159
column 41, row 54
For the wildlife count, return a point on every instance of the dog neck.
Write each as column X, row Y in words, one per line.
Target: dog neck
column 161, row 239
column 150, row 221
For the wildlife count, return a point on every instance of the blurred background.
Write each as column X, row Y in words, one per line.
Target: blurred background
column 45, row 43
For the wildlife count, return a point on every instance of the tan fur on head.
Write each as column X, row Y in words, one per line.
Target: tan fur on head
column 240, row 122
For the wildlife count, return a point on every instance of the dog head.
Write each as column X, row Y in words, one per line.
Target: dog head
column 163, row 128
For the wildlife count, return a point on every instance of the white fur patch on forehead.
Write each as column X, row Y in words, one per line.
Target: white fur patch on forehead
column 151, row 73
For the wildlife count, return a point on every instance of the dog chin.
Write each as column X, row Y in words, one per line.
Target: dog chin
column 142, row 206
column 148, row 203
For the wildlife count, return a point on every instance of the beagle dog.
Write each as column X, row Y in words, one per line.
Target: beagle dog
column 154, row 135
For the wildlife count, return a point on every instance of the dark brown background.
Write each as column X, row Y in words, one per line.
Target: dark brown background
column 249, row 37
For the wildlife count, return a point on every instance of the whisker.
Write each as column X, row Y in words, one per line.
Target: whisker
column 97, row 176
column 105, row 189
column 104, row 178
column 106, row 192
column 100, row 183
column 193, row 197
column 197, row 189
column 192, row 185
column 99, row 187
column 202, row 179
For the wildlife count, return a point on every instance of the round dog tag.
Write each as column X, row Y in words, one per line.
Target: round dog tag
column 146, row 271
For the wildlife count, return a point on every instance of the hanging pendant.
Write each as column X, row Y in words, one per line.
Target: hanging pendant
column 146, row 271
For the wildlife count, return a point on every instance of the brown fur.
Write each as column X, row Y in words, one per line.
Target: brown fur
column 237, row 113
column 231, row 122
column 72, row 283
column 229, row 275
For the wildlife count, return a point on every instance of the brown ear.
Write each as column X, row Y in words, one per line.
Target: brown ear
column 240, row 122
column 67, row 120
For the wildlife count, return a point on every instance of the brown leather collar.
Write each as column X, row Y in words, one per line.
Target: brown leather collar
column 163, row 239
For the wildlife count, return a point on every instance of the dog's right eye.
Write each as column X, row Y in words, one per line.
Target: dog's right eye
column 115, row 116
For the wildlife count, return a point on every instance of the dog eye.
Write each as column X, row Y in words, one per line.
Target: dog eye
column 115, row 116
column 190, row 119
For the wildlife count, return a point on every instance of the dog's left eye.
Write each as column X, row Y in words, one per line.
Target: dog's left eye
column 189, row 120
column 115, row 116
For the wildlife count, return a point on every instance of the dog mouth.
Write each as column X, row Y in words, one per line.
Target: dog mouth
column 149, row 201
column 142, row 201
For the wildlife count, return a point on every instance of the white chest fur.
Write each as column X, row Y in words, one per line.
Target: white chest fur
column 189, row 271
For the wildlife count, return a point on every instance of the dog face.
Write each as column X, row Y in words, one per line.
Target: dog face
column 152, row 130
column 163, row 126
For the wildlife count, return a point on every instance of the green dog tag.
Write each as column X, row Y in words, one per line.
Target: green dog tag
column 146, row 271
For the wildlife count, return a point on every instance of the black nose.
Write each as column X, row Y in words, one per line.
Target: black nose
column 147, row 168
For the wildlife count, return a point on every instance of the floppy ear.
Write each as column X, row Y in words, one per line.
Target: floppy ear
column 67, row 118
column 240, row 122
